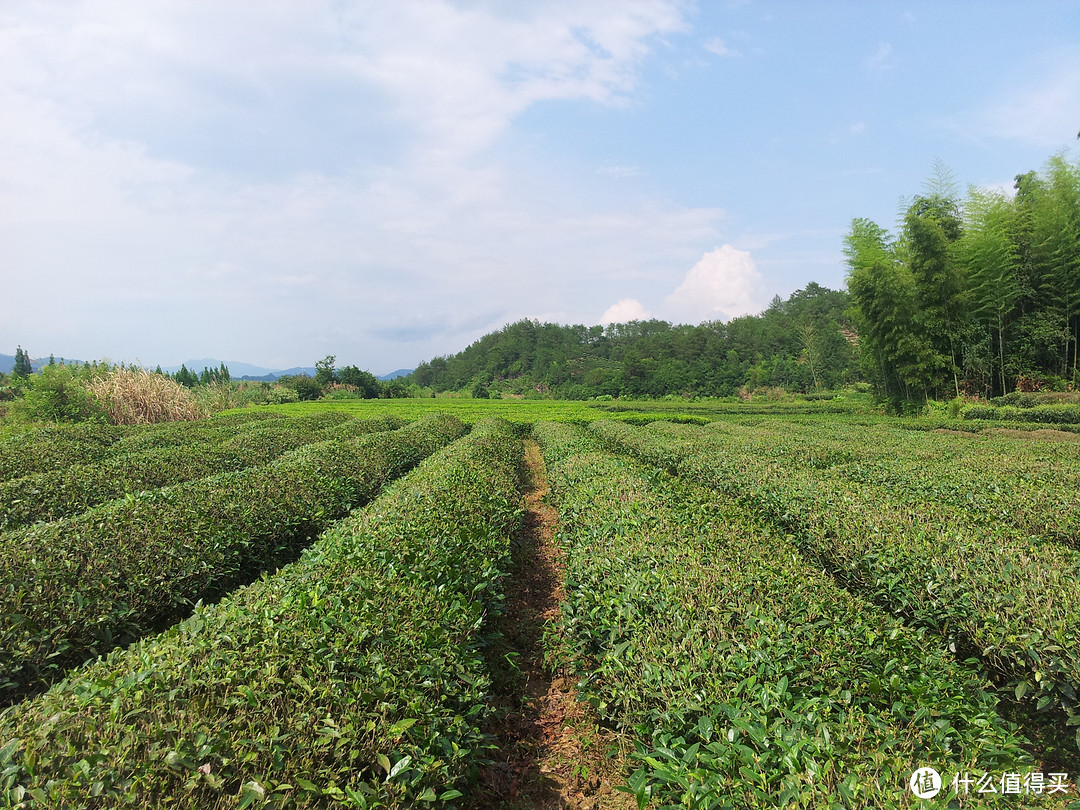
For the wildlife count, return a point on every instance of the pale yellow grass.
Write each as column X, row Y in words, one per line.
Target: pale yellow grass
column 133, row 396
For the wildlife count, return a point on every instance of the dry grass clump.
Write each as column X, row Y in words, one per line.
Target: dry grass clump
column 135, row 396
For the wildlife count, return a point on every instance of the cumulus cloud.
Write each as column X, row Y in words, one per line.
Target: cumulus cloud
column 317, row 163
column 722, row 285
column 463, row 74
column 624, row 311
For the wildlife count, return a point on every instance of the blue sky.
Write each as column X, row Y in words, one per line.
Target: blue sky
column 276, row 181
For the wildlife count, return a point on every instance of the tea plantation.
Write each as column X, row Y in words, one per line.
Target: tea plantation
column 301, row 607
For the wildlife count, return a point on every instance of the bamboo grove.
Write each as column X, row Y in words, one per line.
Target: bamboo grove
column 979, row 296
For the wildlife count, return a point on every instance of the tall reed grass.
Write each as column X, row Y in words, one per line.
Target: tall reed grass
column 134, row 396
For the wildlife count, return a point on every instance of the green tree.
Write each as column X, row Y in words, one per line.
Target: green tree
column 1056, row 248
column 989, row 252
column 364, row 381
column 324, row 371
column 22, row 363
column 185, row 377
column 306, row 388
column 811, row 353
column 931, row 226
column 883, row 293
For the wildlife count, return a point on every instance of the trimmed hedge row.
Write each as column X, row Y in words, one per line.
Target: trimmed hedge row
column 997, row 481
column 1014, row 600
column 55, row 447
column 60, row 493
column 1028, row 399
column 177, row 434
column 75, row 588
column 221, row 428
column 1042, row 414
column 355, row 676
column 753, row 680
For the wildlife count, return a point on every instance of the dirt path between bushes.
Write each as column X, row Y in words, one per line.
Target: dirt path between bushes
column 553, row 754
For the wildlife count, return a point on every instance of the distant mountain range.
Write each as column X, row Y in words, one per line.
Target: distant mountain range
column 237, row 370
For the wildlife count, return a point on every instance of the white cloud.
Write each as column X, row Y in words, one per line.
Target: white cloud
column 462, row 74
column 1042, row 113
column 722, row 285
column 720, row 48
column 618, row 171
column 303, row 178
column 628, row 309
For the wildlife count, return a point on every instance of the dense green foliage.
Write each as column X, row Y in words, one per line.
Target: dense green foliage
column 22, row 366
column 798, row 344
column 56, row 393
column 469, row 410
column 347, row 383
column 786, row 600
column 26, row 450
column 208, row 376
column 751, row 679
column 37, row 449
column 1048, row 408
column 978, row 297
column 75, row 588
column 356, row 675
column 992, row 587
column 59, row 493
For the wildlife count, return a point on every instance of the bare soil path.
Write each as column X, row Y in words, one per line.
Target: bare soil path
column 553, row 754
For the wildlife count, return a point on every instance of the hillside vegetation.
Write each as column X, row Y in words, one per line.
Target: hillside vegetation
column 802, row 344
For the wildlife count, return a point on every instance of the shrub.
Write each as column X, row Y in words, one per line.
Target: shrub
column 56, row 394
column 306, row 388
column 1044, row 414
column 134, row 396
column 157, row 461
column 280, row 395
column 219, row 396
column 980, row 412
column 339, row 391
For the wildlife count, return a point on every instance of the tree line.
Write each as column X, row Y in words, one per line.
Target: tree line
column 973, row 296
column 805, row 343
column 66, row 391
column 208, row 376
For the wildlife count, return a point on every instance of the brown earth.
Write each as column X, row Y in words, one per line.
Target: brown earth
column 552, row 752
column 1048, row 434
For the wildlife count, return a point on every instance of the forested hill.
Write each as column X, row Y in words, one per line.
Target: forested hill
column 801, row 344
